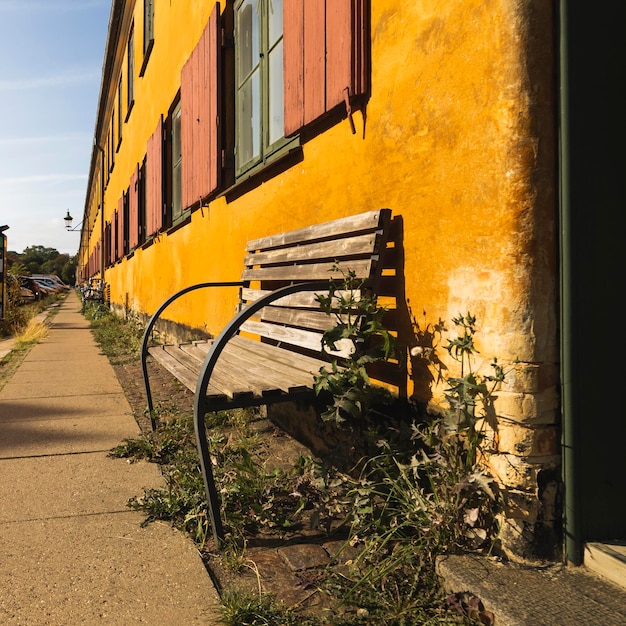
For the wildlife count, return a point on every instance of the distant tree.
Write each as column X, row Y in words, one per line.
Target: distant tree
column 34, row 258
column 68, row 271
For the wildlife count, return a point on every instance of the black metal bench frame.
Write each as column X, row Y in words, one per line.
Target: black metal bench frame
column 300, row 263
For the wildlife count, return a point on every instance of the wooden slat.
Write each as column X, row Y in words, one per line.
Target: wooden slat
column 285, row 375
column 184, row 375
column 314, row 271
column 352, row 224
column 305, row 299
column 306, row 364
column 231, row 384
column 334, row 249
column 259, row 374
column 296, row 337
column 315, row 320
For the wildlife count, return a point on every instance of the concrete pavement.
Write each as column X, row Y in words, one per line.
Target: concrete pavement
column 71, row 552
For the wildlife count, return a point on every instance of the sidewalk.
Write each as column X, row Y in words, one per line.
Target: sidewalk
column 71, row 552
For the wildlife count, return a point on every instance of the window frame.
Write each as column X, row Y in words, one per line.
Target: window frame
column 269, row 151
column 120, row 110
column 148, row 33
column 173, row 165
column 130, row 72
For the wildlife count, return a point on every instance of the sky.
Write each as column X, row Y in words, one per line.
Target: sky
column 51, row 56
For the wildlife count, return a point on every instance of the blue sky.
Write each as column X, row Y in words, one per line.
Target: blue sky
column 51, row 54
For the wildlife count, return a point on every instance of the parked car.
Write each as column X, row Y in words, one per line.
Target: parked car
column 28, row 283
column 52, row 278
column 47, row 285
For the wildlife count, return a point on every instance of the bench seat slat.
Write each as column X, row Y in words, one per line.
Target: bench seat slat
column 265, row 375
column 187, row 377
column 259, row 372
column 288, row 376
column 228, row 382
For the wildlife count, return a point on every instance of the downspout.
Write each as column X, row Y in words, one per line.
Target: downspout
column 570, row 443
column 101, row 215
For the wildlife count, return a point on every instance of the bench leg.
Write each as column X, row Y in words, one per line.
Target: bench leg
column 213, row 503
column 146, row 386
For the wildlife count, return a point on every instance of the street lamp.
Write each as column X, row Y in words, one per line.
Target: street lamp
column 68, row 222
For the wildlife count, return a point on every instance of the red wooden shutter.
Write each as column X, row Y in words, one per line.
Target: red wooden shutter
column 154, row 181
column 325, row 45
column 133, row 210
column 120, row 227
column 199, row 116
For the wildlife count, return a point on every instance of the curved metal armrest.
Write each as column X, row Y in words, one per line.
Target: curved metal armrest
column 200, row 405
column 153, row 320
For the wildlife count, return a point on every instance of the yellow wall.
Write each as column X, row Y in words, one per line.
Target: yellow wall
column 457, row 140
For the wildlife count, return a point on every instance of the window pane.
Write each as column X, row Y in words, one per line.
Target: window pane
column 247, row 38
column 276, row 114
column 176, row 162
column 275, row 21
column 249, row 120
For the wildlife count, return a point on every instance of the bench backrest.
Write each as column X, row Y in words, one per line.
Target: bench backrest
column 353, row 243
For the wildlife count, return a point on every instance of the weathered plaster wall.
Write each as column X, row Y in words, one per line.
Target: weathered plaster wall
column 458, row 140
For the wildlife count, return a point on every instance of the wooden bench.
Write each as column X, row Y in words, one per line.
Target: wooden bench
column 281, row 352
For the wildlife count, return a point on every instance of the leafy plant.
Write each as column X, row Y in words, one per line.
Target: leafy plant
column 410, row 503
column 358, row 323
column 119, row 339
column 244, row 608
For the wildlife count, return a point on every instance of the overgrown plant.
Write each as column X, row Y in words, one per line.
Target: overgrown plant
column 120, row 339
column 358, row 323
column 409, row 508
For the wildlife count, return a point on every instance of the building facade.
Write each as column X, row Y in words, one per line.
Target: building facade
column 220, row 122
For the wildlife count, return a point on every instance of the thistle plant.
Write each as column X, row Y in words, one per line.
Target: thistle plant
column 359, row 321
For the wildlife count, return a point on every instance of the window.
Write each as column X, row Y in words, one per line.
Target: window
column 130, row 70
column 173, row 164
column 112, row 140
column 148, row 33
column 259, row 125
column 120, row 116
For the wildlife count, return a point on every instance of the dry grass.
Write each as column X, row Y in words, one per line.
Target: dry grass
column 33, row 333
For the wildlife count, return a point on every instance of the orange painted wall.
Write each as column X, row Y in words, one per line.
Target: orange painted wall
column 457, row 139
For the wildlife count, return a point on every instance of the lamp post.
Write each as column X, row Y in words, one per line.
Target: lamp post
column 3, row 274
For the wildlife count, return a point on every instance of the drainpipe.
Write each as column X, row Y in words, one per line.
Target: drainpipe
column 570, row 437
column 101, row 216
